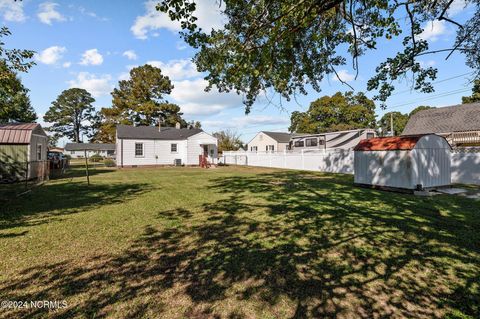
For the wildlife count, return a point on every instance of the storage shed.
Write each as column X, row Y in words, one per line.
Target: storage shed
column 23, row 149
column 405, row 162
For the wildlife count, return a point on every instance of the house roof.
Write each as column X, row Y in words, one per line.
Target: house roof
column 152, row 132
column 19, row 133
column 457, row 118
column 388, row 143
column 280, row 137
column 89, row 147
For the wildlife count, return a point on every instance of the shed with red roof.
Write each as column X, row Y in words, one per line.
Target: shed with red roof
column 407, row 162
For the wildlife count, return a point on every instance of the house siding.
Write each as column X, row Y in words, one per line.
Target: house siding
column 155, row 152
column 194, row 148
column 261, row 140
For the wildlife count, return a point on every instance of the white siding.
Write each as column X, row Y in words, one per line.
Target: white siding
column 427, row 164
column 155, row 152
column 261, row 140
column 194, row 148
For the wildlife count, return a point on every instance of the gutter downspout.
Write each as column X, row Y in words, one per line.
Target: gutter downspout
column 121, row 153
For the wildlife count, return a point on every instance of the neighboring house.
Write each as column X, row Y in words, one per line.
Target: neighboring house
column 459, row 124
column 150, row 146
column 269, row 142
column 77, row 150
column 23, row 146
column 330, row 140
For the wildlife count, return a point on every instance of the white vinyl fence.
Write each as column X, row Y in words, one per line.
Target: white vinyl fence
column 465, row 163
column 333, row 161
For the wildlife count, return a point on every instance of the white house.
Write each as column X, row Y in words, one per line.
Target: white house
column 150, row 146
column 269, row 142
column 407, row 162
column 78, row 150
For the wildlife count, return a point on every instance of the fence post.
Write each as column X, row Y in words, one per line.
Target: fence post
column 284, row 158
column 303, row 160
column 26, row 176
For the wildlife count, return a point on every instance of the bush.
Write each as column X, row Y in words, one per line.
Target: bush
column 95, row 158
column 109, row 163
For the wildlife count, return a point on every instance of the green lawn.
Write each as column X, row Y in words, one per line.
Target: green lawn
column 237, row 243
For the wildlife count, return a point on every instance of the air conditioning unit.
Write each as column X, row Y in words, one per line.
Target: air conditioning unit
column 177, row 162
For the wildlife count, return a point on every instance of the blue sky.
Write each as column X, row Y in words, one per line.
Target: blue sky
column 93, row 44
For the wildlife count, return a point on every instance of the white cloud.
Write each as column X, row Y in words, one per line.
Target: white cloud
column 96, row 85
column 456, row 7
column 130, row 54
column 67, row 64
column 12, row 10
column 50, row 55
column 344, row 75
column 91, row 57
column 193, row 100
column 433, row 30
column 428, row 63
column 177, row 69
column 47, row 13
column 207, row 12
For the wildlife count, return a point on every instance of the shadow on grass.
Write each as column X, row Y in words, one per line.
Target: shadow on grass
column 286, row 244
column 53, row 200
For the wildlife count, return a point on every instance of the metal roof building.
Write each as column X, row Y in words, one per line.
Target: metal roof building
column 406, row 162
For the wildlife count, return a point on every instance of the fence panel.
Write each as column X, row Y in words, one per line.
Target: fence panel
column 465, row 162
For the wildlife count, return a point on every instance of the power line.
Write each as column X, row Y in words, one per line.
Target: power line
column 433, row 97
column 436, row 82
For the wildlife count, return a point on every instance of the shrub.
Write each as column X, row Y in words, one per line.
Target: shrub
column 109, row 163
column 96, row 158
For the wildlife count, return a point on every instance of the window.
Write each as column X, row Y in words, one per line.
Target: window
column 299, row 144
column 311, row 142
column 173, row 148
column 270, row 148
column 138, row 149
column 72, row 152
column 321, row 140
column 253, row 148
column 370, row 135
column 39, row 152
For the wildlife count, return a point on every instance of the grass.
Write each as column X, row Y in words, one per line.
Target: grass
column 237, row 242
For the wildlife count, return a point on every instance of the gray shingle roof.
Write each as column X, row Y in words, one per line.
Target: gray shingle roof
column 457, row 118
column 279, row 136
column 89, row 147
column 151, row 132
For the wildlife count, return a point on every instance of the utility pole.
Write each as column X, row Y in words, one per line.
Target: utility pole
column 391, row 124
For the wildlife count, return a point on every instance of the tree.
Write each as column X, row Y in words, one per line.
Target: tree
column 285, row 45
column 228, row 141
column 14, row 100
column 475, row 97
column 194, row 124
column 52, row 140
column 71, row 114
column 399, row 122
column 13, row 60
column 140, row 99
column 335, row 113
column 418, row 109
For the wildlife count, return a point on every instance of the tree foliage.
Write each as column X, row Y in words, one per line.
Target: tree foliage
column 418, row 109
column 286, row 45
column 228, row 140
column 13, row 60
column 400, row 120
column 475, row 97
column 14, row 100
column 71, row 114
column 140, row 99
column 335, row 113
